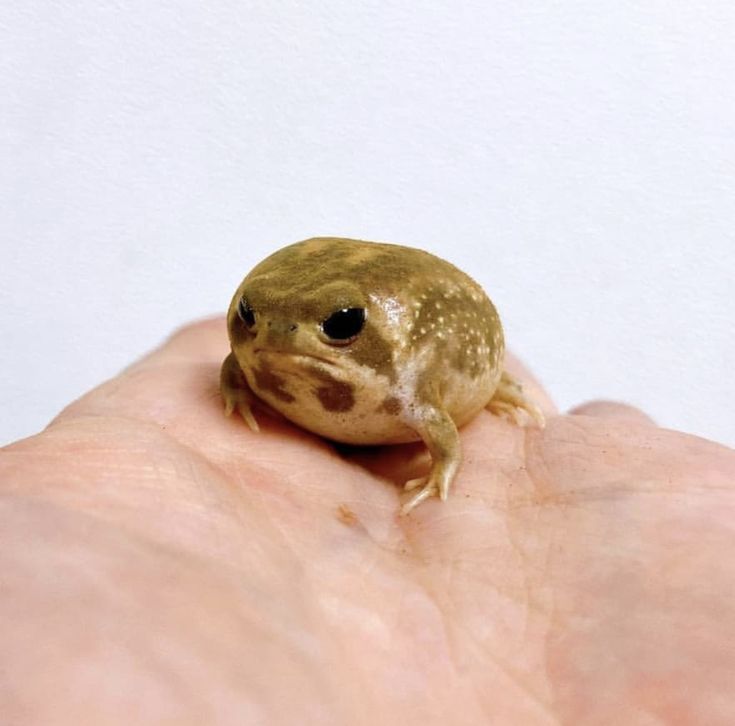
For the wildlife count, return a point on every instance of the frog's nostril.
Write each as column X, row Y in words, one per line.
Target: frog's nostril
column 280, row 327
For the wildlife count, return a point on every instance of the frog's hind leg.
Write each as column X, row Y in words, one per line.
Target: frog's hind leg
column 509, row 401
column 441, row 438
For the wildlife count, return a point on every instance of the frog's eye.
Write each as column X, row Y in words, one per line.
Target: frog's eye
column 343, row 326
column 246, row 313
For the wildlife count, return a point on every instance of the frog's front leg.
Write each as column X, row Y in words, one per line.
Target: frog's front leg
column 439, row 433
column 236, row 391
column 509, row 400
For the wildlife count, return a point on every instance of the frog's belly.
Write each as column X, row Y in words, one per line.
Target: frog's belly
column 363, row 425
column 372, row 410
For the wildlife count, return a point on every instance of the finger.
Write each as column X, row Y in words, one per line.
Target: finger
column 612, row 410
column 181, row 373
column 202, row 341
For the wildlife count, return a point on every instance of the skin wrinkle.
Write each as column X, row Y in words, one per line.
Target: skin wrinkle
column 395, row 561
column 142, row 374
column 70, row 417
column 200, row 510
column 281, row 528
column 137, row 544
column 516, row 679
column 438, row 605
column 136, row 538
column 188, row 453
column 537, row 472
column 604, row 497
column 484, row 652
column 532, row 604
column 537, row 476
column 167, row 432
column 449, row 628
column 443, row 615
column 394, row 546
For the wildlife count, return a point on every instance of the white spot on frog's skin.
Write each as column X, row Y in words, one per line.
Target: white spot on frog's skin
column 390, row 307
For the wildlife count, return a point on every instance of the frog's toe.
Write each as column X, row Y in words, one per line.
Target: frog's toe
column 413, row 483
column 511, row 402
column 236, row 399
column 436, row 484
column 246, row 412
column 504, row 410
column 428, row 490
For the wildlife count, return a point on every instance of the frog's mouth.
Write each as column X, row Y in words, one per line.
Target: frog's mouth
column 299, row 359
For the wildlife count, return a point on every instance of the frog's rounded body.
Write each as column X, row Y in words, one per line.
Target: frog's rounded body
column 426, row 355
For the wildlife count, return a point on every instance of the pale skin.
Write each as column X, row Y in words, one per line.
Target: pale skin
column 161, row 563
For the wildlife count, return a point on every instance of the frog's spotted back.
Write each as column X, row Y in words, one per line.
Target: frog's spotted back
column 458, row 318
column 442, row 305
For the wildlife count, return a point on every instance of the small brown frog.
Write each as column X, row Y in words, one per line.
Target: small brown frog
column 370, row 343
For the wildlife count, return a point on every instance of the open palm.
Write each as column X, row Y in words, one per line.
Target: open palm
column 164, row 564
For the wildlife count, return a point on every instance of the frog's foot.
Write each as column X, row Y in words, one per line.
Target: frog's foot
column 440, row 435
column 510, row 402
column 236, row 392
column 235, row 399
column 428, row 489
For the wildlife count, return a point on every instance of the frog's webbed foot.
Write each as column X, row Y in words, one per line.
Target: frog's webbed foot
column 440, row 436
column 236, row 392
column 509, row 401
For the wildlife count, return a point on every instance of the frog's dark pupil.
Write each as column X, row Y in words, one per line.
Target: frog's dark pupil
column 344, row 324
column 246, row 313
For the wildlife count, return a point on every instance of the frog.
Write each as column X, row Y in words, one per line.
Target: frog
column 370, row 343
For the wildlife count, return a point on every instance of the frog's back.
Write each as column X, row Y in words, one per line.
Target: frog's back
column 439, row 305
column 385, row 269
column 379, row 266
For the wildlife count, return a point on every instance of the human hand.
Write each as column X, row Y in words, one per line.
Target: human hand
column 164, row 564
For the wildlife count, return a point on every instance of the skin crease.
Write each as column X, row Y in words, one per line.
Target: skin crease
column 162, row 564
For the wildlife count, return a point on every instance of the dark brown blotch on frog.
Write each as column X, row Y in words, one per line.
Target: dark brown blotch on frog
column 391, row 405
column 333, row 395
column 268, row 381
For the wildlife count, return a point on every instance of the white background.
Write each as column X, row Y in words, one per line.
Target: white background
column 577, row 158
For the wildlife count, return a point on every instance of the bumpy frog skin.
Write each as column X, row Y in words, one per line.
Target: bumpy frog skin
column 369, row 343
